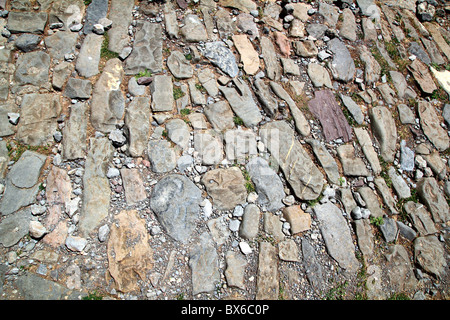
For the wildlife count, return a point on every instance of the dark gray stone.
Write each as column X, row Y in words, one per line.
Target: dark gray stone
column 27, row 22
column 27, row 42
column 342, row 66
column 78, row 89
column 96, row 10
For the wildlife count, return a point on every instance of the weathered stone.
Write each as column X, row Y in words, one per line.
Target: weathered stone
column 353, row 108
column 422, row 76
column 27, row 42
column 243, row 5
column 385, row 193
column 306, row 48
column 267, row 100
column 399, row 184
column 431, row 127
column 222, row 57
column 366, row 144
column 267, row 184
column 433, row 51
column 330, row 13
column 197, row 96
column 133, row 185
column 334, row 124
column 147, row 50
column 443, row 78
column 108, row 102
column 96, row 10
column 273, row 226
column 371, row 200
column 58, row 189
column 193, row 29
column 429, row 253
column 33, row 68
column 342, row 66
column 61, row 43
column 421, row 218
column 219, row 229
column 33, row 287
column 434, row 199
column 240, row 144
column 267, row 278
column 306, row 180
column 301, row 124
column 226, row 26
column 348, row 26
column 326, row 161
column 299, row 220
column 364, row 234
column 137, row 121
column 246, row 23
column 288, row 251
column 319, row 76
column 220, row 115
column 78, row 89
column 372, row 68
column 27, row 22
column 179, row 66
column 435, row 32
column 351, row 164
column 316, row 30
column 401, row 274
column 14, row 227
column 96, row 195
column 120, row 13
column 209, row 146
column 175, row 200
column 336, row 234
column 89, row 57
column 226, row 187
column 389, row 229
column 74, row 132
column 162, row 156
column 385, row 130
column 249, row 56
column 273, row 68
column 129, row 251
column 38, row 118
column 242, row 103
column 249, row 227
column 314, row 269
column 235, row 270
column 203, row 261
column 161, row 89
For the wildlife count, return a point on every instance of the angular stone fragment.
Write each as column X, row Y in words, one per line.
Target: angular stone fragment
column 267, row 184
column 14, row 227
column 268, row 101
column 96, row 195
column 429, row 253
column 267, row 278
column 96, row 10
column 401, row 274
column 422, row 76
column 162, row 156
column 89, row 57
column 249, row 226
column 353, row 108
column 299, row 220
column 78, row 89
column 348, row 26
column 209, row 146
column 385, row 193
column 222, row 57
column 242, row 102
column 342, row 66
column 137, row 122
column 203, row 261
column 299, row 170
column 372, row 203
column 226, row 187
column 27, row 22
column 306, row 48
column 38, row 118
column 74, row 133
column 133, row 185
column 431, row 127
column 193, row 29
column 147, row 50
column 351, row 164
column 365, row 237
column 249, row 56
column 179, row 66
column 129, row 252
column 334, row 125
column 385, row 130
column 162, row 93
column 273, row 68
column 120, row 12
column 434, row 199
column 319, row 76
column 176, row 202
column 326, row 161
column 366, row 144
column 314, row 269
column 220, row 115
column 421, row 218
column 235, row 270
column 336, row 234
column 108, row 102
column 33, row 68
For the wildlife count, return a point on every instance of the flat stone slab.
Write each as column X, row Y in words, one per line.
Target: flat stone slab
column 226, row 187
column 162, row 93
column 74, row 133
column 33, row 68
column 298, row 168
column 78, row 89
column 342, row 66
column 434, row 199
column 96, row 195
column 222, row 57
column 204, row 263
column 89, row 56
column 27, row 22
column 267, row 184
column 385, row 130
column 336, row 234
column 249, row 56
column 267, row 286
column 96, row 10
column 179, row 66
column 147, row 50
column 242, row 102
column 14, row 227
column 431, row 125
column 38, row 118
column 162, row 156
column 209, row 146
column 120, row 13
column 334, row 124
column 133, row 185
column 175, row 200
column 61, row 43
column 351, row 164
column 326, row 160
column 108, row 101
column 137, row 120
column 21, row 182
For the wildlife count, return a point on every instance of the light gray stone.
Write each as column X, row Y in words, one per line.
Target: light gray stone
column 89, row 56
column 385, row 130
column 161, row 89
column 342, row 66
column 14, row 227
column 222, row 57
column 176, row 202
column 74, row 133
column 162, row 156
column 137, row 122
column 179, row 66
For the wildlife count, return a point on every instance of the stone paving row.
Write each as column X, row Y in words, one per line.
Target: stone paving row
column 224, row 149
